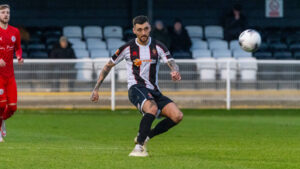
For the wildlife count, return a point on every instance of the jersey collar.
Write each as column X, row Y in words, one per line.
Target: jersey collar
column 143, row 45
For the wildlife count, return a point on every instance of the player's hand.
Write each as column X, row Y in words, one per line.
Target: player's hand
column 175, row 76
column 20, row 60
column 2, row 63
column 95, row 96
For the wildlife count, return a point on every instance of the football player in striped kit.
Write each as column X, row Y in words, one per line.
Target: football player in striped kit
column 142, row 56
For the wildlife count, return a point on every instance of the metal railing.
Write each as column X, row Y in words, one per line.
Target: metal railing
column 205, row 82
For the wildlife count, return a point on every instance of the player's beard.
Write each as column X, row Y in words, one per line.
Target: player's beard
column 144, row 37
column 4, row 21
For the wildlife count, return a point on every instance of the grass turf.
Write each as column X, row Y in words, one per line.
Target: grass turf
column 206, row 139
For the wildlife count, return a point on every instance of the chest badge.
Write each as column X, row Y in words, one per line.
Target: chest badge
column 0, row 38
column 13, row 38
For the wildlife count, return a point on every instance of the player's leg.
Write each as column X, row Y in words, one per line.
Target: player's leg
column 139, row 96
column 173, row 117
column 3, row 104
column 11, row 93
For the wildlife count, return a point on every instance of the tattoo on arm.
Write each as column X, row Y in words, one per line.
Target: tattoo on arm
column 173, row 66
column 104, row 72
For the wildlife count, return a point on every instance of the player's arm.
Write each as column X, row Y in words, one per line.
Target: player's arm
column 18, row 48
column 174, row 70
column 104, row 72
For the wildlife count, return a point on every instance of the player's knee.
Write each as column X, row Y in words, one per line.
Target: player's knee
column 178, row 117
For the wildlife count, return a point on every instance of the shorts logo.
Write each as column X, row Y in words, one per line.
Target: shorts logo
column 1, row 91
column 150, row 95
column 154, row 51
column 13, row 38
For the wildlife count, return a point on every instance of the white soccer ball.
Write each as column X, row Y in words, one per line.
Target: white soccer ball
column 250, row 40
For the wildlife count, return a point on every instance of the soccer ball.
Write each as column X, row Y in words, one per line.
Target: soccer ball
column 250, row 40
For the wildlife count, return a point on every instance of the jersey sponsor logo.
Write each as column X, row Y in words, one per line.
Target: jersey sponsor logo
column 138, row 62
column 0, row 38
column 2, row 48
column 13, row 38
column 1, row 91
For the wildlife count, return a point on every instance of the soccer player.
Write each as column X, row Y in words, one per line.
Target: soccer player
column 10, row 44
column 142, row 56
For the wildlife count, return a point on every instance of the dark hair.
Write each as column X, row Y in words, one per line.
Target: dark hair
column 140, row 20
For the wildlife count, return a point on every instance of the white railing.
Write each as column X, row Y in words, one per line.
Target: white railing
column 207, row 71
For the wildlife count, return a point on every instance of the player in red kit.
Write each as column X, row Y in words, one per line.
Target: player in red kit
column 10, row 44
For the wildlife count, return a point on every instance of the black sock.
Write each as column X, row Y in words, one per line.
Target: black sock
column 145, row 127
column 162, row 127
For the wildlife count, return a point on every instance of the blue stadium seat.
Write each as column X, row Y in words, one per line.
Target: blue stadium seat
column 92, row 32
column 218, row 44
column 81, row 53
column 279, row 46
column 213, row 32
column 99, row 53
column 194, row 31
column 95, row 44
column 234, row 45
column 199, row 44
column 263, row 55
column 113, row 32
column 38, row 55
column 239, row 53
column 201, row 53
column 36, row 47
column 295, row 47
column 221, row 53
column 286, row 55
column 72, row 31
column 114, row 43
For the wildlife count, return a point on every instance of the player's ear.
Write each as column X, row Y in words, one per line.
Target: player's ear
column 133, row 29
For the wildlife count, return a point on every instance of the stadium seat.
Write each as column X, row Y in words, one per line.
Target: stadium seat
column 274, row 38
column 113, row 32
column 295, row 47
column 36, row 47
column 84, row 70
column 79, row 45
column 92, row 32
column 279, row 46
column 114, row 43
column 283, row 55
column 293, row 38
column 72, row 31
column 221, row 53
column 213, row 31
column 99, row 53
column 218, row 44
column 24, row 54
column 222, row 67
column 52, row 34
column 194, row 31
column 239, row 53
column 81, row 53
column 199, row 44
column 297, row 55
column 263, row 55
column 234, row 45
column 207, row 68
column 38, row 55
column 247, row 68
column 264, row 47
column 74, row 40
column 95, row 44
column 200, row 53
column 52, row 40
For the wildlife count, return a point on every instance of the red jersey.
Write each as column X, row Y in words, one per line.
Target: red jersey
column 10, row 43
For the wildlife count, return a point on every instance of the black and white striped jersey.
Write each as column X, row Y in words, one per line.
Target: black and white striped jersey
column 142, row 62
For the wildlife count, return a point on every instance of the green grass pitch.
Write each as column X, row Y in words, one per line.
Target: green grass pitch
column 100, row 139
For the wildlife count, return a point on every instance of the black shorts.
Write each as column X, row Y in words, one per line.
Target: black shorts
column 139, row 94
